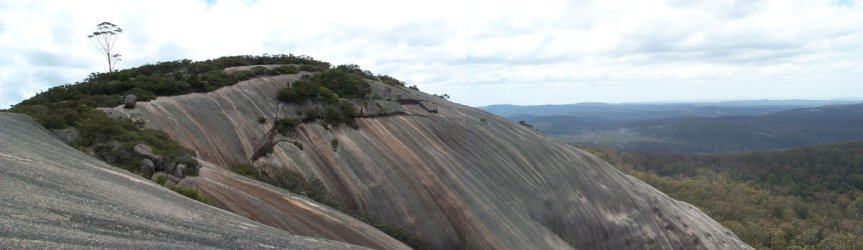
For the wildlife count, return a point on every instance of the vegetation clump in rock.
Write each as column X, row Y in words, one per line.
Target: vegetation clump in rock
column 331, row 90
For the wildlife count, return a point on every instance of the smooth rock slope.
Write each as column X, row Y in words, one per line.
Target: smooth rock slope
column 53, row 196
column 453, row 175
column 290, row 212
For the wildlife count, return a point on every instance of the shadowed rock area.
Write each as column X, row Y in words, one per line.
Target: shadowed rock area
column 452, row 175
column 53, row 196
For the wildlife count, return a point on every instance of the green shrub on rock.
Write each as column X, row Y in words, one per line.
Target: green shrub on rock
column 246, row 170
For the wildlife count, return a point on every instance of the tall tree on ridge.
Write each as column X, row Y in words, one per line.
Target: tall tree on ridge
column 104, row 38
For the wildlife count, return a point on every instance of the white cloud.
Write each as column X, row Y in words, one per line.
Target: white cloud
column 479, row 52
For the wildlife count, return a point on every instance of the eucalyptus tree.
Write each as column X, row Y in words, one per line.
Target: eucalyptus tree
column 104, row 39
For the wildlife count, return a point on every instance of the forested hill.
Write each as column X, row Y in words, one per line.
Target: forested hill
column 685, row 133
column 801, row 197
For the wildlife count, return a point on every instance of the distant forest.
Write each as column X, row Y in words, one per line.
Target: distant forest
column 802, row 198
column 690, row 128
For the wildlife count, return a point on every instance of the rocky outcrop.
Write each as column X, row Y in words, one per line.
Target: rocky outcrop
column 453, row 175
column 146, row 167
column 55, row 197
column 175, row 171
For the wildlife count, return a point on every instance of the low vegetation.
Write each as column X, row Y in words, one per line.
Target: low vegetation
column 191, row 193
column 397, row 233
column 293, row 182
column 152, row 80
column 792, row 199
column 245, row 169
column 74, row 105
column 334, row 143
column 284, row 126
column 112, row 140
column 332, row 90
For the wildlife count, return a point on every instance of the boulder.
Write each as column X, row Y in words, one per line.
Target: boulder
column 129, row 101
column 147, row 152
column 147, row 168
column 178, row 171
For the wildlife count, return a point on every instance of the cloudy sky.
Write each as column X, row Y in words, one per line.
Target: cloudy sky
column 478, row 52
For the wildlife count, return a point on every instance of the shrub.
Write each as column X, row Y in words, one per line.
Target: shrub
column 404, row 236
column 287, row 69
column 262, row 120
column 142, row 94
column 244, row 75
column 161, row 179
column 292, row 181
column 296, row 183
column 246, row 170
column 390, row 80
column 326, row 96
column 259, row 71
column 305, row 90
column 345, row 83
column 316, row 190
column 355, row 70
column 335, row 144
column 191, row 193
column 96, row 127
column 285, row 126
column 333, row 115
column 312, row 114
column 313, row 68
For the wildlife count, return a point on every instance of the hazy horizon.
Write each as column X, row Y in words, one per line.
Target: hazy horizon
column 704, row 101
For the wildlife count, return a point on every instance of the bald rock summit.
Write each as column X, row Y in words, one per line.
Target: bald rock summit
column 305, row 154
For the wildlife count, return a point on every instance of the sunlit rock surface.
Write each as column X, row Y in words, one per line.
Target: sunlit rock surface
column 53, row 196
column 453, row 175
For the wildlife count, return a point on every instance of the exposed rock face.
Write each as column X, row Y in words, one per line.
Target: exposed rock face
column 450, row 174
column 56, row 197
column 129, row 101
